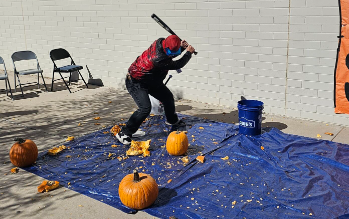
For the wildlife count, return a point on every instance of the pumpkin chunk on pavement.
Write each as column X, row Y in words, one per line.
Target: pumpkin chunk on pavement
column 48, row 186
column 14, row 170
column 70, row 138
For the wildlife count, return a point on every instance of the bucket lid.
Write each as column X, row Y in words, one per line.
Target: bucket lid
column 250, row 103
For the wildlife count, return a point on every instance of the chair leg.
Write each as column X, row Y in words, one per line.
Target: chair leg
column 15, row 82
column 20, row 85
column 69, row 78
column 53, row 76
column 83, row 79
column 8, row 81
column 43, row 81
column 65, row 82
column 38, row 82
column 6, row 87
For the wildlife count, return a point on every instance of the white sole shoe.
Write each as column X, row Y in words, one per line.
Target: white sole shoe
column 138, row 133
column 124, row 139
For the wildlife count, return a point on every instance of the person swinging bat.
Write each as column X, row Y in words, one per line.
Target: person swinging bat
column 145, row 76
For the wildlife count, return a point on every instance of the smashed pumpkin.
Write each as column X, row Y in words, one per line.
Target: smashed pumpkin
column 138, row 190
column 70, row 138
column 115, row 130
column 48, row 186
column 14, row 170
column 201, row 159
column 138, row 148
column 56, row 150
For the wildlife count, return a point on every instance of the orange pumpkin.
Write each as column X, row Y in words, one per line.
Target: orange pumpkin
column 177, row 143
column 138, row 190
column 23, row 153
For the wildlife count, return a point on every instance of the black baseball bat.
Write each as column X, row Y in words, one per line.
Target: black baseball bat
column 167, row 28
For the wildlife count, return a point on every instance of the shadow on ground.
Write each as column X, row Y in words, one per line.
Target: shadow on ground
column 48, row 121
column 227, row 117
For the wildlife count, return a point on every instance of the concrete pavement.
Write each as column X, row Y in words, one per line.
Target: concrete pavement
column 49, row 117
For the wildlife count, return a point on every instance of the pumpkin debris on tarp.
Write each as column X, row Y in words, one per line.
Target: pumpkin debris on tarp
column 47, row 186
column 56, row 150
column 318, row 136
column 14, row 170
column 138, row 148
column 225, row 158
column 115, row 130
column 329, row 133
column 201, row 159
column 97, row 118
column 185, row 159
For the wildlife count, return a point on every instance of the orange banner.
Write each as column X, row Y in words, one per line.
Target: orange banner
column 342, row 66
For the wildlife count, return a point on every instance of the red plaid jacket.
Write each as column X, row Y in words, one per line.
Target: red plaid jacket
column 153, row 65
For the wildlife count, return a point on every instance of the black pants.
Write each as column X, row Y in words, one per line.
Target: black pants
column 139, row 93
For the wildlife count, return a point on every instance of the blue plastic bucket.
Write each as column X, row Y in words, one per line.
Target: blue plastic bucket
column 250, row 117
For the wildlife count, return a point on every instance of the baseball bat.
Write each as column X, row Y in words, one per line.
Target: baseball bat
column 167, row 28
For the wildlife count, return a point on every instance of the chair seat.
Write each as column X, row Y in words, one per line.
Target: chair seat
column 30, row 71
column 69, row 68
column 3, row 77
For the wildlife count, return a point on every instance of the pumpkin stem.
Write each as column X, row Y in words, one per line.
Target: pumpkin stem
column 20, row 140
column 135, row 176
column 178, row 132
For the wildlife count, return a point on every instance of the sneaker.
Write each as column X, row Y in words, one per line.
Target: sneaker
column 138, row 133
column 179, row 126
column 123, row 138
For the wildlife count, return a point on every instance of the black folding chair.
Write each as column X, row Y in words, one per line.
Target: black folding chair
column 26, row 55
column 59, row 54
column 5, row 77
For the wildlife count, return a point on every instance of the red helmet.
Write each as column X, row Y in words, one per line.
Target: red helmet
column 172, row 42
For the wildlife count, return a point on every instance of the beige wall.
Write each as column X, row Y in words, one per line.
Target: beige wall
column 280, row 52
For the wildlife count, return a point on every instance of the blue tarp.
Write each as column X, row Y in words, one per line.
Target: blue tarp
column 273, row 175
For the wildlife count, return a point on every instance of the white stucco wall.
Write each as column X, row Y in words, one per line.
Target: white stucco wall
column 281, row 52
